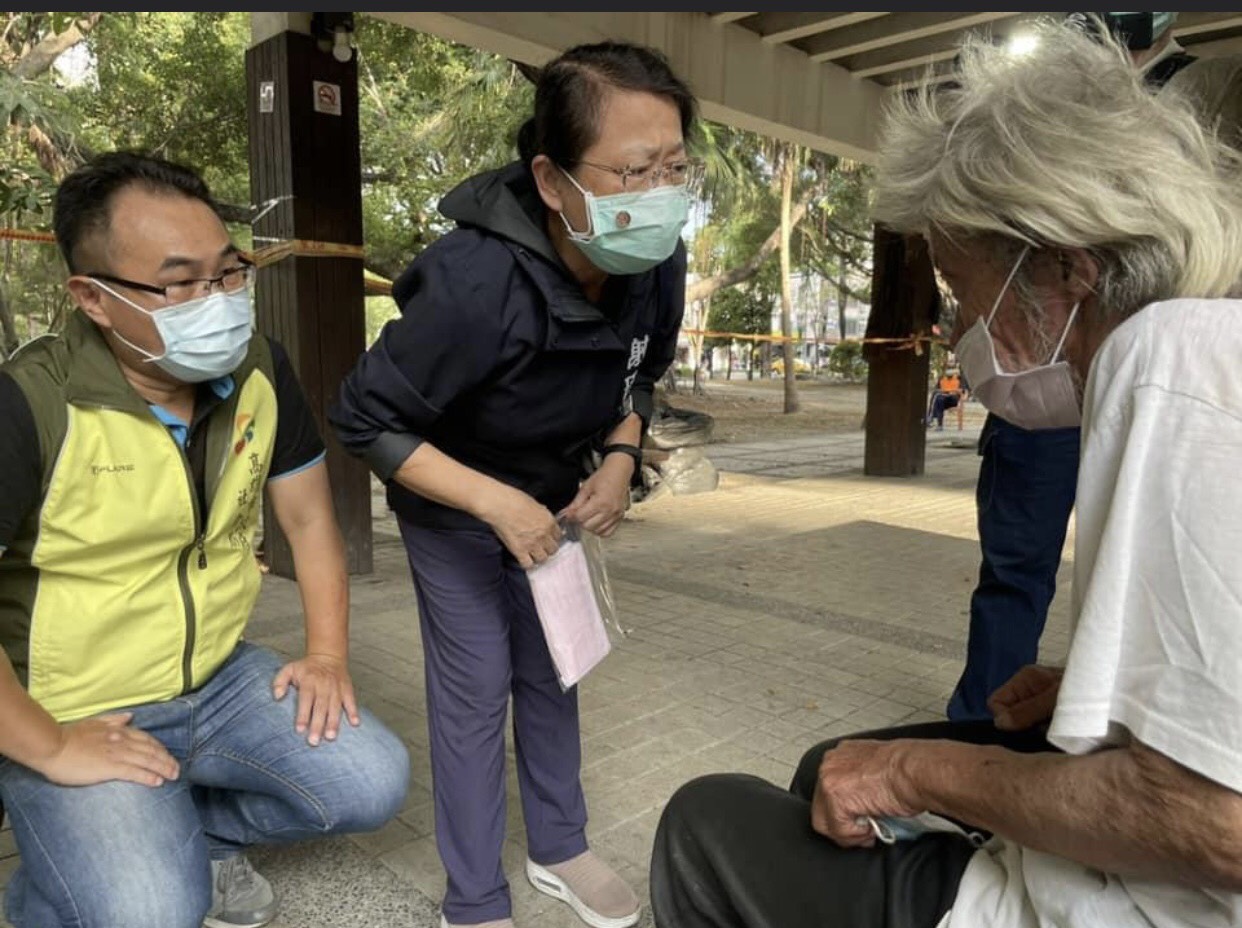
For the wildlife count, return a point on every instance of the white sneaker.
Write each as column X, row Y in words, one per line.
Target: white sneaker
column 621, row 908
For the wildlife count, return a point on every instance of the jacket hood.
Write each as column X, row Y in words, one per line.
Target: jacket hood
column 505, row 203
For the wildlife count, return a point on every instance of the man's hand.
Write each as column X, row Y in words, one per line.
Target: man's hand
column 525, row 526
column 324, row 688
column 857, row 779
column 1028, row 699
column 105, row 748
column 602, row 500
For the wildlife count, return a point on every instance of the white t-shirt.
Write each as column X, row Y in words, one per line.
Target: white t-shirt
column 1156, row 653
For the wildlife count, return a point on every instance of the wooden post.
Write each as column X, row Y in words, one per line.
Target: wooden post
column 303, row 109
column 904, row 302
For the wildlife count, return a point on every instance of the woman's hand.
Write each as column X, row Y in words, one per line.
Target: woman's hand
column 524, row 526
column 602, row 500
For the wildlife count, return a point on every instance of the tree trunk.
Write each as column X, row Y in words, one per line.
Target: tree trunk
column 843, row 295
column 8, row 330
column 698, row 315
column 788, row 168
column 43, row 55
column 705, row 288
column 729, row 364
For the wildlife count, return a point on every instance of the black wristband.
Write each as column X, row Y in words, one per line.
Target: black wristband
column 633, row 451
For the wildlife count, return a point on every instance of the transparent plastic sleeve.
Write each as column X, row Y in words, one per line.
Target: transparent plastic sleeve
column 574, row 602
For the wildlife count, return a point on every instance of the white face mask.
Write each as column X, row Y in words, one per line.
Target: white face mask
column 204, row 339
column 1043, row 397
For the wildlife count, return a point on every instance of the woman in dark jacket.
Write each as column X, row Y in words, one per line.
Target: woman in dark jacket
column 530, row 337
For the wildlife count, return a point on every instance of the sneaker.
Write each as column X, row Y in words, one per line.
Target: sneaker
column 503, row 923
column 593, row 890
column 240, row 897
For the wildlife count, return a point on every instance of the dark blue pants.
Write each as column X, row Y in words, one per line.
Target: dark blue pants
column 1024, row 496
column 482, row 643
column 941, row 403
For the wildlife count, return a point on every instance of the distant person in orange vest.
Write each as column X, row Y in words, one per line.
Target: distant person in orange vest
column 950, row 393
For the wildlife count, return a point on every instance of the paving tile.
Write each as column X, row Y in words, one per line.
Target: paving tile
column 772, row 614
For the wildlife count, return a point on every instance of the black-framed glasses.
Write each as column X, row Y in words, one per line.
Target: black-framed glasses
column 230, row 280
column 687, row 172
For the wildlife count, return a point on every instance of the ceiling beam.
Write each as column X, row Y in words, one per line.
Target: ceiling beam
column 770, row 89
column 902, row 64
column 931, row 49
column 728, row 17
column 919, row 77
column 891, row 30
column 1216, row 47
column 1195, row 23
column 777, row 28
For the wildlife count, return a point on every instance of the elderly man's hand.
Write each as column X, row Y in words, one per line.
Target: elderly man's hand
column 1028, row 699
column 858, row 779
column 324, row 690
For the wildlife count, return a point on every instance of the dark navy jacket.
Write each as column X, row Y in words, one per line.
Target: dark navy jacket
column 500, row 360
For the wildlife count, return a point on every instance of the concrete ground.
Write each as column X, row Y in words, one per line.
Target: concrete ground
column 798, row 601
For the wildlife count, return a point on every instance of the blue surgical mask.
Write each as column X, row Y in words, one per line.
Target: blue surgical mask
column 891, row 829
column 204, row 339
column 631, row 232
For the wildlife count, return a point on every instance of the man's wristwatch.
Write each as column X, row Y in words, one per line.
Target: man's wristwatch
column 633, row 451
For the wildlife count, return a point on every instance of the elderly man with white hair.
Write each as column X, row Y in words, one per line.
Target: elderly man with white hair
column 1092, row 235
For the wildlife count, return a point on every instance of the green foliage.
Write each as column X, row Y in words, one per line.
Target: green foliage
column 24, row 189
column 744, row 310
column 173, row 84
column 432, row 114
column 847, row 362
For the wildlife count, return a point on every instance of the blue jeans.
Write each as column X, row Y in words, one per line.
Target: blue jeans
column 120, row 854
column 1027, row 482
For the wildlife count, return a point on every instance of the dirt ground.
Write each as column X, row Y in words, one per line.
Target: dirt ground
column 747, row 411
column 754, row 410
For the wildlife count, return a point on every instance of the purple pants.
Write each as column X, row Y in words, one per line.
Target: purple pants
column 482, row 643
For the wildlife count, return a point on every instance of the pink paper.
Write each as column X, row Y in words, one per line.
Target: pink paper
column 569, row 613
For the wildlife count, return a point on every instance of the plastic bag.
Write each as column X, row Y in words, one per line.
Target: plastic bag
column 574, row 602
column 680, row 428
column 688, row 471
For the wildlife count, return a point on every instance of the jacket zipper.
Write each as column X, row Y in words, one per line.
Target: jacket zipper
column 183, row 560
column 183, row 574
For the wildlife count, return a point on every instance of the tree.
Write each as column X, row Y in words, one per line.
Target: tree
column 765, row 190
column 30, row 44
column 745, row 310
column 433, row 113
column 788, row 160
column 835, row 239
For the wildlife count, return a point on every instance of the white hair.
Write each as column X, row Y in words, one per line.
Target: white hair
column 1064, row 146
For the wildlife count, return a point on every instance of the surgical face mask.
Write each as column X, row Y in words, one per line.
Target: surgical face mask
column 631, row 232
column 891, row 829
column 1043, row 397
column 204, row 339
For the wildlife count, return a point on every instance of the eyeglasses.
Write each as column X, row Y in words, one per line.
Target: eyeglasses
column 230, row 280
column 686, row 173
